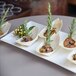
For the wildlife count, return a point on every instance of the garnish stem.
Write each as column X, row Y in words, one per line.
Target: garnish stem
column 72, row 28
column 3, row 18
column 48, row 40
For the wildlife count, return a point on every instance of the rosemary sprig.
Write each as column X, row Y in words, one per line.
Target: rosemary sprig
column 49, row 26
column 3, row 18
column 72, row 28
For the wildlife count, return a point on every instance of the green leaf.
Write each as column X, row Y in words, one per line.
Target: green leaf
column 30, row 28
column 27, row 30
column 24, row 30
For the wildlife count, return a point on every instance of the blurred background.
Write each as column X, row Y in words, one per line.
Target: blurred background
column 23, row 8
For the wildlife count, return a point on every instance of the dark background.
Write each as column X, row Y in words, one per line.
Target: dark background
column 39, row 7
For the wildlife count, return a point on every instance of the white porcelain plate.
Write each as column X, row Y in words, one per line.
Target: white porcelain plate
column 59, row 57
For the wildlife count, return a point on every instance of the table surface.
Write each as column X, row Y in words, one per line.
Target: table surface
column 17, row 62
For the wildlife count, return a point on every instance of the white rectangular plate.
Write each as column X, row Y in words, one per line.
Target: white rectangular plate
column 59, row 57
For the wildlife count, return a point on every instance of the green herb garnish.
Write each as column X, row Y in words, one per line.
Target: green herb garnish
column 3, row 18
column 72, row 29
column 22, row 30
column 49, row 26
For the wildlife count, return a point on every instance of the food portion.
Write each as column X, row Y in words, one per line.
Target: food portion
column 26, row 33
column 3, row 20
column 26, row 39
column 55, row 28
column 69, row 42
column 46, row 49
column 74, row 57
column 22, row 30
column 51, row 32
column 48, row 44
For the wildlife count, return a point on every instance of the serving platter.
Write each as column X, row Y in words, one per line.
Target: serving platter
column 59, row 56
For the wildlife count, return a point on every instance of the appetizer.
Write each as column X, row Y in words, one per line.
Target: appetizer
column 72, row 57
column 22, row 30
column 69, row 42
column 46, row 47
column 4, row 24
column 55, row 28
column 27, row 35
